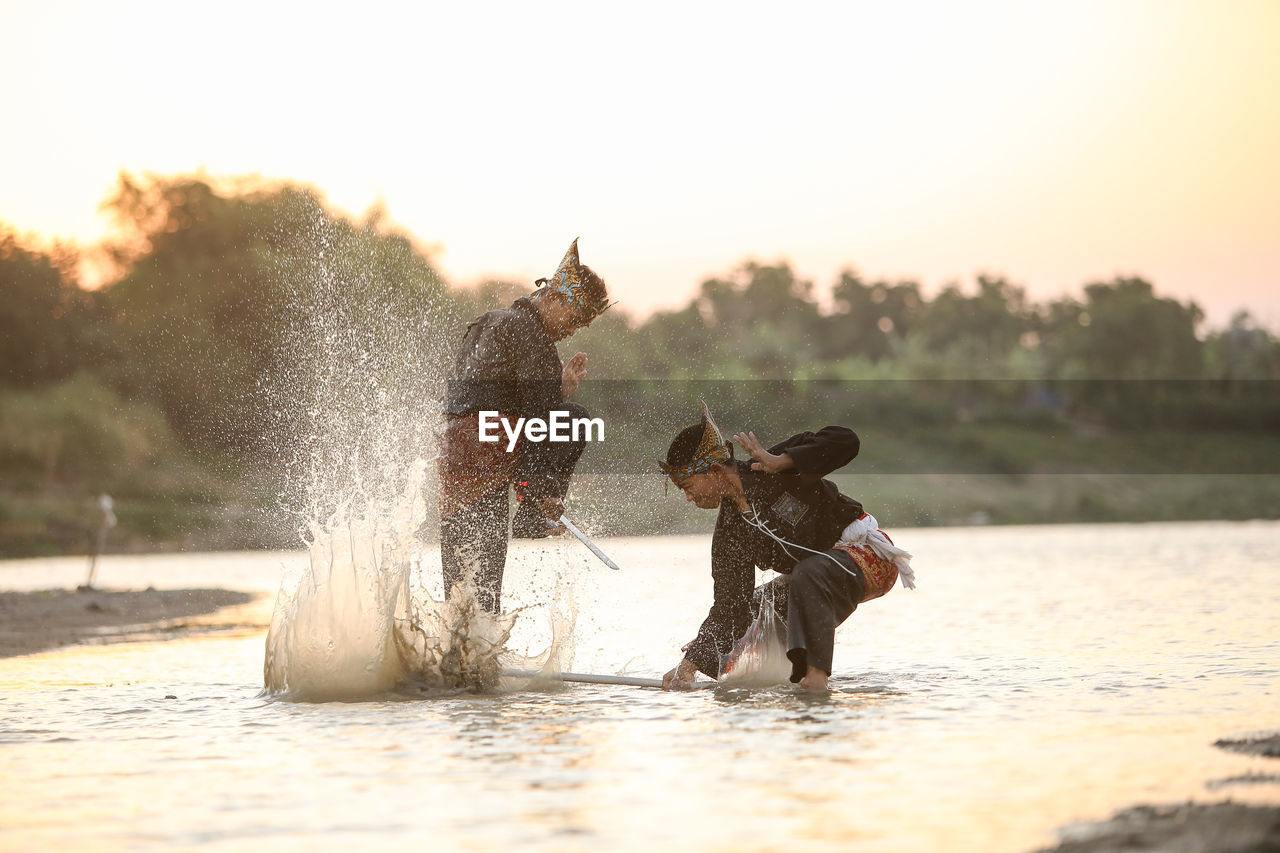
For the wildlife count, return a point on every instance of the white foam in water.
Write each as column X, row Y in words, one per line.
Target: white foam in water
column 333, row 635
column 455, row 645
column 352, row 625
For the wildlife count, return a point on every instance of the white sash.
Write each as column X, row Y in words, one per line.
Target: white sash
column 866, row 532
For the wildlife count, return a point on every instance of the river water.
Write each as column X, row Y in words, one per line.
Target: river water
column 1039, row 676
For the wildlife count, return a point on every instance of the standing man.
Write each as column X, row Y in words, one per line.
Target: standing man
column 777, row 513
column 508, row 364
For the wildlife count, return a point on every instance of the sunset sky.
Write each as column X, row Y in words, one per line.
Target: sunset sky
column 1055, row 143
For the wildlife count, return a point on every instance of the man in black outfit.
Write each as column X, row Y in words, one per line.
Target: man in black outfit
column 777, row 513
column 508, row 363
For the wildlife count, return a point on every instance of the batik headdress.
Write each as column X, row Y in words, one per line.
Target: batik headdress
column 570, row 282
column 712, row 448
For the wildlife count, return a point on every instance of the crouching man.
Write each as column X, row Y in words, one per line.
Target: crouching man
column 777, row 513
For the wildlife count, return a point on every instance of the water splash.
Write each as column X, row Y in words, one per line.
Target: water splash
column 759, row 658
column 353, row 624
column 359, row 391
column 333, row 633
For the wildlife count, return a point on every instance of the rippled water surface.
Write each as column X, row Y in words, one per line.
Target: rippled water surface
column 1038, row 676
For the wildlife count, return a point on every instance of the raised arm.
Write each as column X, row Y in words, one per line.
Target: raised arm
column 817, row 454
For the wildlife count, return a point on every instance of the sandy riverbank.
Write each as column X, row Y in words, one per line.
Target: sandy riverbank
column 37, row 621
column 1190, row 827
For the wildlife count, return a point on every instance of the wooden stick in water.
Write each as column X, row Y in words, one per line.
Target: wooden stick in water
column 592, row 678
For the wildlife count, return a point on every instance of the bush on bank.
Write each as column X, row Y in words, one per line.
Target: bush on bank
column 243, row 313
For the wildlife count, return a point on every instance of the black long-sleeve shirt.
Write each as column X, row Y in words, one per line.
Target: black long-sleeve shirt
column 799, row 506
column 508, row 363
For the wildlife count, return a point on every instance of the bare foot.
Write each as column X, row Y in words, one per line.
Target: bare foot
column 815, row 680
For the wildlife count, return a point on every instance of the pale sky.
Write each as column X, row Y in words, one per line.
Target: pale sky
column 1055, row 143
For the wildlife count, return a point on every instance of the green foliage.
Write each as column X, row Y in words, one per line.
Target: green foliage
column 1124, row 331
column 46, row 321
column 977, row 330
column 247, row 317
column 870, row 320
column 227, row 294
column 1242, row 351
column 80, row 431
column 63, row 444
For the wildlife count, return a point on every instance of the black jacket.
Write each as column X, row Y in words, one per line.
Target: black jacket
column 799, row 506
column 507, row 363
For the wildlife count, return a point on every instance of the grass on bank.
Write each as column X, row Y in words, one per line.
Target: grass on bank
column 928, row 500
column 62, row 446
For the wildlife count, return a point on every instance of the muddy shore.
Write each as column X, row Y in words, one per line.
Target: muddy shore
column 1190, row 827
column 47, row 619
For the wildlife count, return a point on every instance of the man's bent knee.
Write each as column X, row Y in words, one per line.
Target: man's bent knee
column 808, row 572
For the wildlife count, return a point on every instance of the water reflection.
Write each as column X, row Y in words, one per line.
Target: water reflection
column 1005, row 721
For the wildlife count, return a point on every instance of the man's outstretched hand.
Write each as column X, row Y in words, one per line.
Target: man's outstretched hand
column 680, row 678
column 574, row 369
column 765, row 461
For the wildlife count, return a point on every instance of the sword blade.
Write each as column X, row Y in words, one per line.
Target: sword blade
column 592, row 678
column 582, row 537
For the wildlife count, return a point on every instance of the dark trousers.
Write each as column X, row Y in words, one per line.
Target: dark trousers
column 477, row 537
column 817, row 596
column 477, row 534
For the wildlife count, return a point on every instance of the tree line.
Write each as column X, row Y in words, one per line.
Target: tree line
column 217, row 286
column 240, row 313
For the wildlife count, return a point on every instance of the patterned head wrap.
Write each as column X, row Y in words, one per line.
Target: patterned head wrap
column 712, row 448
column 570, row 282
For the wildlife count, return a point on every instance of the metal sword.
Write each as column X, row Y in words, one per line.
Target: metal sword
column 582, row 537
column 592, row 678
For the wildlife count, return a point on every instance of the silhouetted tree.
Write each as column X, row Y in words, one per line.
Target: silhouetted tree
column 231, row 299
column 46, row 319
column 1243, row 350
column 982, row 327
column 869, row 318
column 761, row 320
column 1123, row 330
